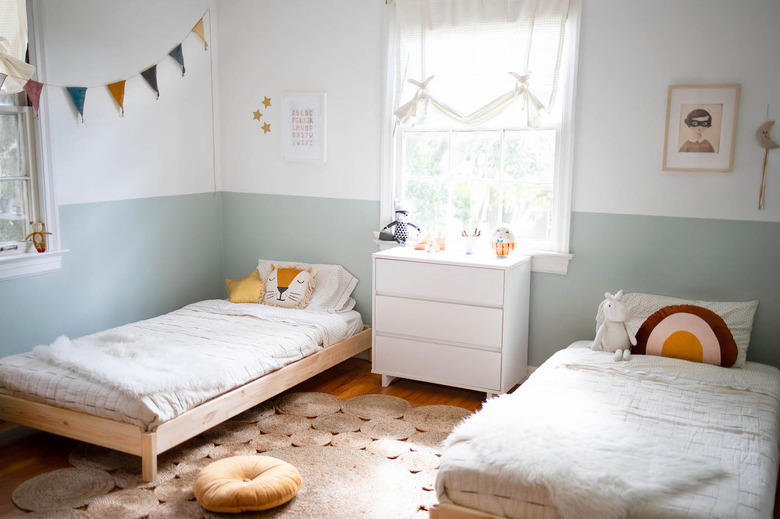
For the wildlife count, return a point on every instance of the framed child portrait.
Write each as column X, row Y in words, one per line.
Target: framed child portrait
column 701, row 127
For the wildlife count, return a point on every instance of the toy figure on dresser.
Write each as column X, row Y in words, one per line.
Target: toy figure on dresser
column 402, row 231
column 38, row 236
column 503, row 241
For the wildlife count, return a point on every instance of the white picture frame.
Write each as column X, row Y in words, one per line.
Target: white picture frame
column 304, row 126
column 688, row 147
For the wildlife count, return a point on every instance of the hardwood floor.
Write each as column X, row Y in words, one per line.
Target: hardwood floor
column 25, row 453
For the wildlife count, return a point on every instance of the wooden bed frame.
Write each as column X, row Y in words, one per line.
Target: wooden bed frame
column 451, row 511
column 134, row 439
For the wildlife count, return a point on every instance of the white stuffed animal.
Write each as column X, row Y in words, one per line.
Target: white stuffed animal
column 613, row 334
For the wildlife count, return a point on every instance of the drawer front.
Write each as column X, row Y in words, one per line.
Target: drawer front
column 441, row 322
column 469, row 285
column 450, row 365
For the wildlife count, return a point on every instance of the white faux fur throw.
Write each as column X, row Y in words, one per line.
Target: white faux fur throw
column 589, row 464
column 136, row 365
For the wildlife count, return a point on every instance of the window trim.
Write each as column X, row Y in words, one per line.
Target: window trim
column 549, row 262
column 33, row 263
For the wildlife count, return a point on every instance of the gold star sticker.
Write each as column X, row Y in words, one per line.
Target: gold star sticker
column 267, row 102
column 257, row 115
column 266, row 127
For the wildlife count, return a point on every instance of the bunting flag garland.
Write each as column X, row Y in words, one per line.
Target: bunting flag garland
column 2, row 79
column 33, row 89
column 198, row 29
column 78, row 94
column 150, row 75
column 178, row 55
column 118, row 91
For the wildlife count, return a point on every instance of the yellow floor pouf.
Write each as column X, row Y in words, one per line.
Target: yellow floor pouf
column 246, row 483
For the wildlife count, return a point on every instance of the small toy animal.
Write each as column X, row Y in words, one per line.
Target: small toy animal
column 503, row 240
column 38, row 236
column 613, row 334
column 401, row 231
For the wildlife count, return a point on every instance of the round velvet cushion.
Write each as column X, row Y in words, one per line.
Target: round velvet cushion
column 246, row 483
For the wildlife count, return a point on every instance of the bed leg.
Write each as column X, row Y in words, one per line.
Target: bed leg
column 149, row 456
column 386, row 379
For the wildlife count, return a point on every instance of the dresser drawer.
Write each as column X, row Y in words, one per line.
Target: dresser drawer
column 442, row 322
column 469, row 285
column 438, row 363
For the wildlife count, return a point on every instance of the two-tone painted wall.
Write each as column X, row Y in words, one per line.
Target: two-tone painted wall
column 635, row 227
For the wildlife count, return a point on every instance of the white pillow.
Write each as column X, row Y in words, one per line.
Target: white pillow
column 737, row 315
column 332, row 289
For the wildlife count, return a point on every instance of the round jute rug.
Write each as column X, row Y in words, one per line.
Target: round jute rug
column 337, row 423
column 309, row 405
column 58, row 514
column 267, row 442
column 63, row 488
column 387, row 429
column 231, row 433
column 255, row 414
column 369, row 407
column 439, row 418
column 180, row 510
column 123, row 504
column 353, row 440
column 283, row 424
column 90, row 456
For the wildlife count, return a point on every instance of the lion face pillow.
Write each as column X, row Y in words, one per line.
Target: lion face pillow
column 288, row 287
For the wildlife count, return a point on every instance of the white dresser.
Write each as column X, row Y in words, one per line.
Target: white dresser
column 450, row 318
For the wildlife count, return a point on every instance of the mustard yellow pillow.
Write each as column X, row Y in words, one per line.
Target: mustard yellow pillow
column 245, row 290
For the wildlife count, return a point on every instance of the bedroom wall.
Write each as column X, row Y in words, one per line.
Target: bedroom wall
column 139, row 209
column 634, row 227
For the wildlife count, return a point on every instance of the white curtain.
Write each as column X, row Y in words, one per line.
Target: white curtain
column 13, row 46
column 470, row 60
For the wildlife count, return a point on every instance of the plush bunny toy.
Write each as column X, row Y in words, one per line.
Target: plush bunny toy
column 613, row 334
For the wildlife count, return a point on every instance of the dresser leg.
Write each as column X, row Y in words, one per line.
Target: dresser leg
column 490, row 395
column 386, row 379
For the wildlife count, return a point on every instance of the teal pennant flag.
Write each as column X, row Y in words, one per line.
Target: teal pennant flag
column 178, row 55
column 150, row 75
column 78, row 94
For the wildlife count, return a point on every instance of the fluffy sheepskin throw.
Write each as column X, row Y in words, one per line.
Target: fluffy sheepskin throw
column 139, row 366
column 586, row 460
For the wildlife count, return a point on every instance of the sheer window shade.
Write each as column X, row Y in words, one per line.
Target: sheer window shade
column 473, row 60
column 13, row 46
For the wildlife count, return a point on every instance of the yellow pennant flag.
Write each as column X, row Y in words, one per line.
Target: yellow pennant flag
column 118, row 91
column 198, row 29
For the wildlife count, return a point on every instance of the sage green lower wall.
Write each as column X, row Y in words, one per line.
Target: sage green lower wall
column 305, row 229
column 128, row 260
column 682, row 257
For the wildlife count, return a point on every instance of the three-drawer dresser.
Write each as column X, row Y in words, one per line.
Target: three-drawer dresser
column 451, row 318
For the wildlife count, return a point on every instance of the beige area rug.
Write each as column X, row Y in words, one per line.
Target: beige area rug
column 371, row 456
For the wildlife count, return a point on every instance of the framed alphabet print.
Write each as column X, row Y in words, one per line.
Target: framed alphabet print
column 303, row 126
column 701, row 127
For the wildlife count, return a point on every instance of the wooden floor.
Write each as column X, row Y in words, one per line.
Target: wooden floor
column 25, row 453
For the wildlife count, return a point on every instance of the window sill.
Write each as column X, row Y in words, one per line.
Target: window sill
column 544, row 262
column 30, row 264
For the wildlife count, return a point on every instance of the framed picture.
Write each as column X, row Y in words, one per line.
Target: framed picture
column 304, row 126
column 701, row 127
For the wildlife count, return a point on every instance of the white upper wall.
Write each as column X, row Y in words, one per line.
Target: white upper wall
column 630, row 52
column 161, row 147
column 272, row 47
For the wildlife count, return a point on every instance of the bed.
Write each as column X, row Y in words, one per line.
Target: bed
column 214, row 360
column 685, row 428
column 709, row 434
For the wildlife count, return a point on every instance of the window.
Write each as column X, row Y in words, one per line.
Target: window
column 26, row 191
column 481, row 112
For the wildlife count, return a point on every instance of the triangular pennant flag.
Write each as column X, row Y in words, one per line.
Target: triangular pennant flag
column 78, row 94
column 118, row 91
column 33, row 89
column 178, row 55
column 198, row 29
column 2, row 79
column 150, row 75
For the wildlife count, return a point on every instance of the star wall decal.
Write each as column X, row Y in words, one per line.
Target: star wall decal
column 267, row 102
column 257, row 115
column 266, row 127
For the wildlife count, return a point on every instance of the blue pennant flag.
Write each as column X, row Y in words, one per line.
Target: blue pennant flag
column 178, row 55
column 78, row 94
column 150, row 75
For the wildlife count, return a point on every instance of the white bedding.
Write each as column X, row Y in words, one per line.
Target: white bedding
column 246, row 341
column 724, row 417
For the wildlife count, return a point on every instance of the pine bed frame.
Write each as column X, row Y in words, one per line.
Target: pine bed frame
column 134, row 439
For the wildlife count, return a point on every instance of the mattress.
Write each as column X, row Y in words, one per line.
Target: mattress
column 251, row 339
column 727, row 418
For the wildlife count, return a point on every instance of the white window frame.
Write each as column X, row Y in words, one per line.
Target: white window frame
column 551, row 262
column 33, row 263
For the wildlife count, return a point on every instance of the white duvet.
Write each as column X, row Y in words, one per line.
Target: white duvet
column 652, row 437
column 150, row 371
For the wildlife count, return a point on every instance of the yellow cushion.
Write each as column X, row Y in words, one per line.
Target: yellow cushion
column 246, row 483
column 245, row 290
